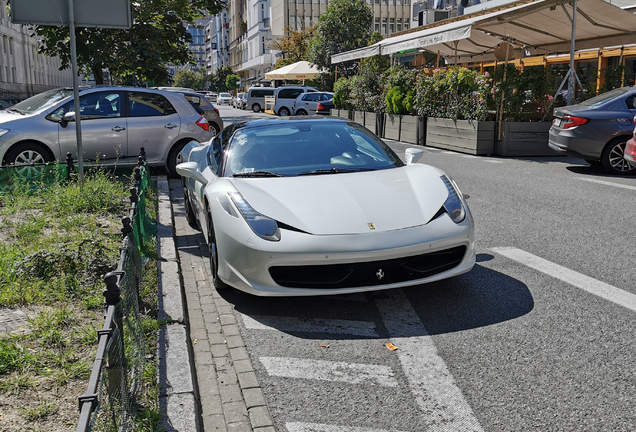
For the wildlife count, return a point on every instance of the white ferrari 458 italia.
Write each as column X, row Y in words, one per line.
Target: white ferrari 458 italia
column 316, row 206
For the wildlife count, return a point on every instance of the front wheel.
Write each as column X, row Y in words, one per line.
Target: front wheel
column 173, row 158
column 214, row 257
column 28, row 154
column 284, row 112
column 190, row 217
column 613, row 157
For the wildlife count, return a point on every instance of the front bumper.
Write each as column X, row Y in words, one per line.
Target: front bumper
column 630, row 152
column 246, row 265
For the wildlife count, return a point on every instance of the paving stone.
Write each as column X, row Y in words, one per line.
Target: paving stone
column 235, row 412
column 227, row 375
column 230, row 393
column 254, row 397
column 219, row 350
column 239, row 427
column 265, row 429
column 241, row 366
column 214, row 423
column 231, row 330
column 179, row 413
column 211, row 405
column 260, row 417
column 234, row 341
column 239, row 353
column 175, row 375
column 248, row 380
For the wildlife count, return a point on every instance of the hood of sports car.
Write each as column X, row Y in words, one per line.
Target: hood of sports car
column 349, row 203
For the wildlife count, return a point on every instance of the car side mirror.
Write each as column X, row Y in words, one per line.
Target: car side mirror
column 191, row 170
column 412, row 155
column 68, row 117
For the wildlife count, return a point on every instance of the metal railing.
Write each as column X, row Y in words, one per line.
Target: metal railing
column 109, row 402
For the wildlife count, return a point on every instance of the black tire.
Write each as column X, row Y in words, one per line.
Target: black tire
column 173, row 157
column 25, row 154
column 613, row 159
column 215, row 128
column 214, row 257
column 284, row 112
column 256, row 107
column 301, row 112
column 190, row 217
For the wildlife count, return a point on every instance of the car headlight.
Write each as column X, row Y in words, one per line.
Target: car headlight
column 3, row 131
column 453, row 204
column 263, row 226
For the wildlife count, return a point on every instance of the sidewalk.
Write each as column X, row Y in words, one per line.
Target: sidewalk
column 206, row 376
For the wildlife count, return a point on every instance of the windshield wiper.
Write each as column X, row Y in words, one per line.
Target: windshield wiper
column 11, row 109
column 259, row 174
column 335, row 170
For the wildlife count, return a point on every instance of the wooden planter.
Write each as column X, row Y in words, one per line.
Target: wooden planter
column 370, row 121
column 524, row 139
column 464, row 136
column 340, row 113
column 392, row 127
column 358, row 117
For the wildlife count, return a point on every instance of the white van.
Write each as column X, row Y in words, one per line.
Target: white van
column 286, row 96
column 256, row 97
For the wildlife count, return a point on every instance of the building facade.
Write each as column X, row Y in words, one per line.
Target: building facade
column 24, row 72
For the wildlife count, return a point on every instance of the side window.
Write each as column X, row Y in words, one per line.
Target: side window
column 326, row 97
column 311, row 97
column 311, row 91
column 142, row 104
column 290, row 93
column 215, row 154
column 194, row 100
column 226, row 135
column 630, row 102
column 93, row 106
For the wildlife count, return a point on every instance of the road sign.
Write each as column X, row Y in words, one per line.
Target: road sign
column 213, row 45
column 88, row 13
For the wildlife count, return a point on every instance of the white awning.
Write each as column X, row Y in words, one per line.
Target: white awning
column 296, row 71
column 359, row 53
column 539, row 26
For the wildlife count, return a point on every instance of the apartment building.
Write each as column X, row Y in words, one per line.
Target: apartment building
column 24, row 72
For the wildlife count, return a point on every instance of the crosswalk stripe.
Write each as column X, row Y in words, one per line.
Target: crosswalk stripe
column 441, row 402
column 311, row 325
column 318, row 427
column 353, row 373
column 586, row 283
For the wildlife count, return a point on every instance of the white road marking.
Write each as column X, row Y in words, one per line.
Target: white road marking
column 449, row 152
column 606, row 183
column 471, row 157
column 353, row 373
column 311, row 325
column 586, row 283
column 436, row 393
column 492, row 161
column 318, row 427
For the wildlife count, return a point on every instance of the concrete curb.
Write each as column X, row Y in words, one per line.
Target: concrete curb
column 177, row 398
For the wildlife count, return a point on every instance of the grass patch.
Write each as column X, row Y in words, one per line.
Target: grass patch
column 56, row 243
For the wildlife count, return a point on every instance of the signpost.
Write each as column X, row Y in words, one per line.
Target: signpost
column 73, row 13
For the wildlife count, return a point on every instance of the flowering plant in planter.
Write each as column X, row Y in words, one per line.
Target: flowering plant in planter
column 342, row 93
column 457, row 93
column 366, row 91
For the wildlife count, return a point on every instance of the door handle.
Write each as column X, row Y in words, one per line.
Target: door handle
column 118, row 129
column 170, row 126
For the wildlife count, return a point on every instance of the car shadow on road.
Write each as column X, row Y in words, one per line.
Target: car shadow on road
column 480, row 298
column 597, row 172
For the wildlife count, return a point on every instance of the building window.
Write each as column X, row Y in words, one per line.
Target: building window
column 392, row 25
column 406, row 23
column 383, row 25
column 399, row 24
column 376, row 25
column 292, row 22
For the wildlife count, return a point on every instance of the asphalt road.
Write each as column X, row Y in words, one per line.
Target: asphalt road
column 539, row 336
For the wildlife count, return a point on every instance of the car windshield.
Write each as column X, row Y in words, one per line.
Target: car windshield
column 606, row 96
column 306, row 148
column 43, row 101
column 225, row 95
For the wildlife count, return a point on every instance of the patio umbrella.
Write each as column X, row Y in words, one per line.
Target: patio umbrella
column 301, row 70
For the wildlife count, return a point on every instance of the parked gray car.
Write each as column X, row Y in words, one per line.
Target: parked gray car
column 307, row 103
column 116, row 123
column 597, row 129
column 209, row 111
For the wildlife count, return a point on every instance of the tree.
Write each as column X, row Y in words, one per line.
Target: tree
column 190, row 79
column 157, row 37
column 345, row 25
column 294, row 45
column 217, row 81
column 377, row 64
column 232, row 82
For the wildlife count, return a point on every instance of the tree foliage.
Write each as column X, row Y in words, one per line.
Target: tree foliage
column 232, row 82
column 377, row 64
column 219, row 79
column 157, row 37
column 345, row 25
column 294, row 45
column 190, row 79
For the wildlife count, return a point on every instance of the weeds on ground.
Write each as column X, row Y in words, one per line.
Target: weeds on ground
column 56, row 243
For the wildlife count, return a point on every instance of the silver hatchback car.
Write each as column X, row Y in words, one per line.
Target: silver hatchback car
column 116, row 123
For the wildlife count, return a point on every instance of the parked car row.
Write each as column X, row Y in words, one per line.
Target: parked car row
column 290, row 100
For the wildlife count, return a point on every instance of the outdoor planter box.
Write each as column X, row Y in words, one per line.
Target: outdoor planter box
column 524, row 139
column 370, row 120
column 408, row 129
column 405, row 128
column 340, row 113
column 464, row 136
column 392, row 127
column 358, row 117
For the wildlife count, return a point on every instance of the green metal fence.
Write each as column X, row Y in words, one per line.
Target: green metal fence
column 109, row 403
